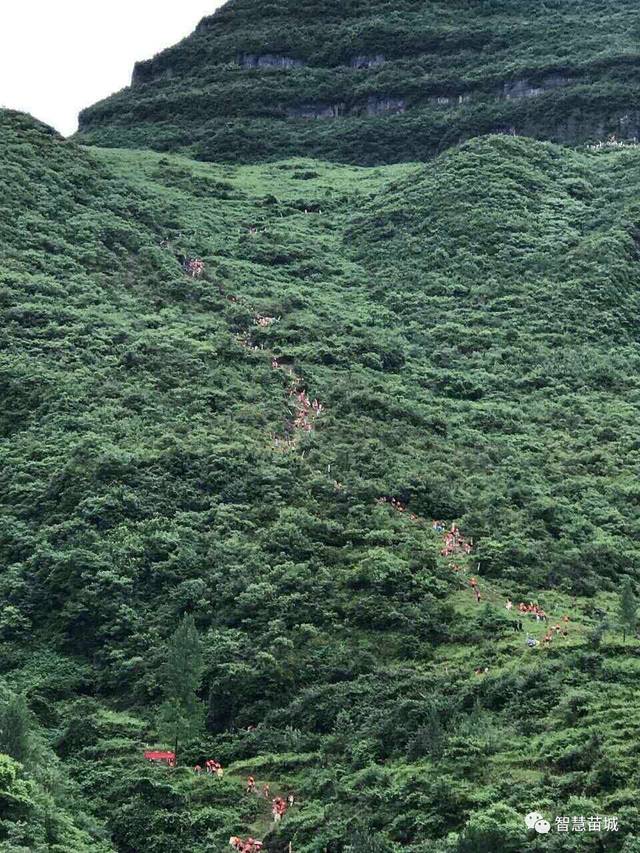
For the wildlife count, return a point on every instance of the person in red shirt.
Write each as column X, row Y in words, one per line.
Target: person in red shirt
column 251, row 785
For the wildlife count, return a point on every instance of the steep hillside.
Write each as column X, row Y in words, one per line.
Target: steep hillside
column 379, row 81
column 468, row 330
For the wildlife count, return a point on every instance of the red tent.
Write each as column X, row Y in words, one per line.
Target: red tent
column 167, row 757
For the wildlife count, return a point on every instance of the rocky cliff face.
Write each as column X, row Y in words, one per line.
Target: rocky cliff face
column 428, row 73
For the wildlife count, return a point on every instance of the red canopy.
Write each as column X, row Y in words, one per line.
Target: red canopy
column 160, row 756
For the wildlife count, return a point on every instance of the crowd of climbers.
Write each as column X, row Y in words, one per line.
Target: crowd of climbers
column 279, row 805
column 264, row 322
column 454, row 542
column 210, row 766
column 194, row 267
column 613, row 142
column 249, row 845
column 394, row 503
column 306, row 411
column 534, row 611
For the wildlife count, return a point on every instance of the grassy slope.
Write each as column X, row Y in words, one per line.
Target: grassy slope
column 196, row 98
column 439, row 326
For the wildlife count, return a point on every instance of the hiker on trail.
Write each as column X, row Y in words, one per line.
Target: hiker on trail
column 266, row 791
column 509, row 604
column 279, row 808
column 478, row 596
column 531, row 641
column 251, row 785
column 290, row 799
column 197, row 769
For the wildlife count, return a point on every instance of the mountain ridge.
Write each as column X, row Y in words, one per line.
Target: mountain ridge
column 379, row 84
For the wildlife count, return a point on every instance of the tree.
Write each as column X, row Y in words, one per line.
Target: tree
column 181, row 714
column 498, row 828
column 15, row 725
column 628, row 608
column 363, row 841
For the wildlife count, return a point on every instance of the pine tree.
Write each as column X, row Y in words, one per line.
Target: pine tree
column 628, row 608
column 181, row 714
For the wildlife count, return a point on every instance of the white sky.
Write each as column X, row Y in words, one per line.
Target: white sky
column 59, row 56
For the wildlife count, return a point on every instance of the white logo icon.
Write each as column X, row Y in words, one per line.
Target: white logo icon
column 542, row 826
column 533, row 818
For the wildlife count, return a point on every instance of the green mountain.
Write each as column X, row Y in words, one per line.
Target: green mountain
column 235, row 396
column 380, row 81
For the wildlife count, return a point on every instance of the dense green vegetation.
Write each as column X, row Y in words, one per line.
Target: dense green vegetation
column 470, row 328
column 390, row 81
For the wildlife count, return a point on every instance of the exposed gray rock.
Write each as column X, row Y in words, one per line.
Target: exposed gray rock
column 450, row 100
column 379, row 105
column 148, row 72
column 367, row 61
column 268, row 60
column 316, row 111
column 524, row 89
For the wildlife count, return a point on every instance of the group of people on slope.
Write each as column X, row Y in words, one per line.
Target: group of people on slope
column 306, row 411
column 210, row 766
column 194, row 267
column 279, row 805
column 264, row 322
column 531, row 609
column 248, row 845
column 455, row 543
column 397, row 505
